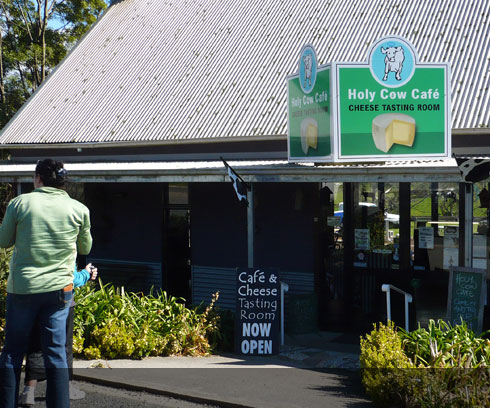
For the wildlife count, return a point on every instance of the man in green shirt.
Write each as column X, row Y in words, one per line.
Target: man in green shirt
column 48, row 228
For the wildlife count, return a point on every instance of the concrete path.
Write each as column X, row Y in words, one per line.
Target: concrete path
column 301, row 376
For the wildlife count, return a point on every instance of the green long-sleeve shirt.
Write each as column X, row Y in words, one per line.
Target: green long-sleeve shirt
column 48, row 228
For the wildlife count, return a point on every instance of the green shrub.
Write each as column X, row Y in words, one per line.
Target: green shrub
column 443, row 346
column 456, row 361
column 387, row 373
column 221, row 339
column 441, row 366
column 130, row 325
column 5, row 255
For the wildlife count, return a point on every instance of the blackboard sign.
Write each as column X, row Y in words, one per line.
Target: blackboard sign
column 302, row 316
column 258, row 312
column 465, row 300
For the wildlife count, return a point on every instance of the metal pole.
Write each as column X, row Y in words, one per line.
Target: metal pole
column 468, row 231
column 250, row 225
column 284, row 288
column 386, row 288
column 406, row 311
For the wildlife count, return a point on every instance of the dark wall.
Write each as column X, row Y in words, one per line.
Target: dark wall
column 218, row 226
column 126, row 220
column 284, row 222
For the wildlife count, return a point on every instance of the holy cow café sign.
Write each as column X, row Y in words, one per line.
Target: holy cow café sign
column 390, row 108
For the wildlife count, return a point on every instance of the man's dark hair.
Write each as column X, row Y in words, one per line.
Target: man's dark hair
column 52, row 173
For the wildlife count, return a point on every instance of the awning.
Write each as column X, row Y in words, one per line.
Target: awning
column 443, row 170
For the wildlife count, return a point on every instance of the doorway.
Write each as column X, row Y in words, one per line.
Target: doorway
column 176, row 251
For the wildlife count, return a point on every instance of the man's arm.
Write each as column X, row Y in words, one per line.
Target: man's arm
column 84, row 240
column 8, row 228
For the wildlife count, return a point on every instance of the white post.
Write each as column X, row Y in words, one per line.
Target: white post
column 250, row 226
column 407, row 296
column 284, row 288
column 386, row 288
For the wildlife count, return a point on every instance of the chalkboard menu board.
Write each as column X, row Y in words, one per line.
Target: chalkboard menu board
column 465, row 300
column 258, row 312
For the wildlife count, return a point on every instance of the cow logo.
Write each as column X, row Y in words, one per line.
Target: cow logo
column 392, row 61
column 307, row 69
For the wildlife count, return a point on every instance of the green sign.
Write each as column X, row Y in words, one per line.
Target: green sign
column 376, row 122
column 390, row 108
column 309, row 111
column 466, row 297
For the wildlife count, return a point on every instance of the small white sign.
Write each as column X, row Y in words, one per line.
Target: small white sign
column 451, row 237
column 450, row 257
column 426, row 237
column 480, row 263
column 362, row 239
column 480, row 246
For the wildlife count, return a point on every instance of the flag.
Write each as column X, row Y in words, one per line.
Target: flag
column 239, row 184
column 474, row 170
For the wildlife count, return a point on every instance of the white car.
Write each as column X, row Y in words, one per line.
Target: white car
column 372, row 209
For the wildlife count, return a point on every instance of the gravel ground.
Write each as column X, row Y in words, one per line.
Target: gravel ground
column 99, row 396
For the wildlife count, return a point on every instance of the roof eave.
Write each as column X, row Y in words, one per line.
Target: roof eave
column 142, row 143
column 471, row 131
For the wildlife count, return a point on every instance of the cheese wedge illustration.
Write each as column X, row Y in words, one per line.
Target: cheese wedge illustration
column 309, row 134
column 391, row 128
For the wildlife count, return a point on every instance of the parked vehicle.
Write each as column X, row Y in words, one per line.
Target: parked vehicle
column 372, row 209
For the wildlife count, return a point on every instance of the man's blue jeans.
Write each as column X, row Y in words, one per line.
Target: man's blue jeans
column 50, row 309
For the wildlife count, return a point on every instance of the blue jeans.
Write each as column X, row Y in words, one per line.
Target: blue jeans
column 50, row 309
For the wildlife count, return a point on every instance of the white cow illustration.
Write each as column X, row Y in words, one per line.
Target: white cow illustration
column 394, row 58
column 308, row 61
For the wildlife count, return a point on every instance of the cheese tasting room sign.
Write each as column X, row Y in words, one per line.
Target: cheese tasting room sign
column 390, row 108
column 258, row 312
column 309, row 110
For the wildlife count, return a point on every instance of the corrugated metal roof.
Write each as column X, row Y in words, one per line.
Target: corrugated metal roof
column 155, row 70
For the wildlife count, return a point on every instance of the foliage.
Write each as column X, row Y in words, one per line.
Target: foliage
column 5, row 255
column 110, row 323
column 376, row 225
column 221, row 339
column 444, row 346
column 6, row 193
column 441, row 366
column 113, row 324
column 384, row 365
column 34, row 37
column 458, row 364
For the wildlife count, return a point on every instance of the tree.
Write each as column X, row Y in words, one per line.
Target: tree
column 35, row 36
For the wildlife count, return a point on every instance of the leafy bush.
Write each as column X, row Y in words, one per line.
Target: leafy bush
column 113, row 324
column 444, row 346
column 223, row 338
column 384, row 366
column 441, row 366
column 5, row 255
column 456, row 362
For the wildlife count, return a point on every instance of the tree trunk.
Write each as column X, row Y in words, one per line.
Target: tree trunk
column 42, row 27
column 23, row 80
